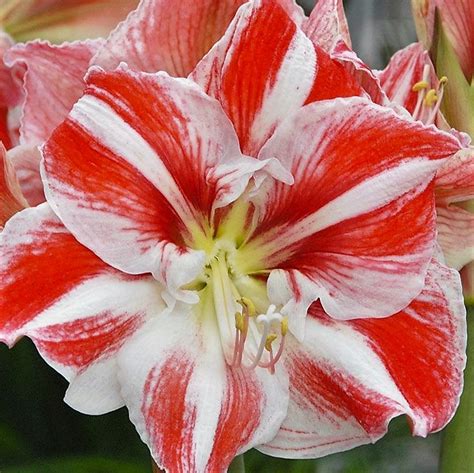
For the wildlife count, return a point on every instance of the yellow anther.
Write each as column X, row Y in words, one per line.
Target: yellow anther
column 270, row 339
column 239, row 321
column 420, row 86
column 431, row 98
column 252, row 312
column 443, row 80
column 284, row 326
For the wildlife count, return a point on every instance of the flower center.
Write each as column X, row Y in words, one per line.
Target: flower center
column 252, row 331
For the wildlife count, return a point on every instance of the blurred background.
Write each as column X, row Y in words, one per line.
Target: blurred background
column 40, row 434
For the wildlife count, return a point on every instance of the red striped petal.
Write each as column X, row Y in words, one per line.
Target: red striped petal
column 77, row 310
column 455, row 180
column 349, row 379
column 158, row 38
column 194, row 411
column 64, row 66
column 327, row 24
column 360, row 211
column 138, row 168
column 403, row 71
column 257, row 89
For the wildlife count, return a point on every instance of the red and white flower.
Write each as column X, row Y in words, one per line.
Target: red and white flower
column 252, row 267
column 410, row 81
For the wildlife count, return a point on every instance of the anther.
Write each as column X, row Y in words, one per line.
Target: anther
column 239, row 321
column 431, row 98
column 443, row 80
column 270, row 339
column 249, row 305
column 423, row 84
column 284, row 326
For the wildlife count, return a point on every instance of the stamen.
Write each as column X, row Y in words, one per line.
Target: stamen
column 270, row 339
column 423, row 84
column 421, row 89
column 249, row 305
column 431, row 98
column 440, row 93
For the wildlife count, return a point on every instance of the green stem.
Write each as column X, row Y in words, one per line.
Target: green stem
column 238, row 465
column 457, row 453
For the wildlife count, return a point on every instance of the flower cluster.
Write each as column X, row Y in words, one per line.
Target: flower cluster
column 221, row 218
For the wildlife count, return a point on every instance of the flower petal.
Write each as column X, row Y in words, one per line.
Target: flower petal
column 64, row 66
column 66, row 20
column 403, row 71
column 455, row 179
column 349, row 379
column 76, row 309
column 10, row 92
column 358, row 224
column 11, row 197
column 138, row 168
column 194, row 411
column 156, row 37
column 327, row 24
column 26, row 161
column 456, row 235
column 257, row 89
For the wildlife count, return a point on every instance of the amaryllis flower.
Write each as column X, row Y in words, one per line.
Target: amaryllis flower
column 235, row 300
column 183, row 286
column 410, row 81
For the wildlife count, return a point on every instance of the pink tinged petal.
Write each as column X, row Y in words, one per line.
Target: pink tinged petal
column 193, row 411
column 456, row 235
column 10, row 92
column 26, row 161
column 78, row 321
column 11, row 197
column 349, row 379
column 327, row 24
column 156, row 37
column 455, row 189
column 64, row 66
column 403, row 71
column 356, row 229
column 364, row 75
column 455, row 179
column 257, row 89
column 66, row 20
column 141, row 159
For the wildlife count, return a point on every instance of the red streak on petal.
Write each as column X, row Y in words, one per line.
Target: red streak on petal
column 4, row 135
column 81, row 342
column 239, row 417
column 332, row 80
column 34, row 284
column 418, row 353
column 253, row 69
column 326, row 390
column 170, row 420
